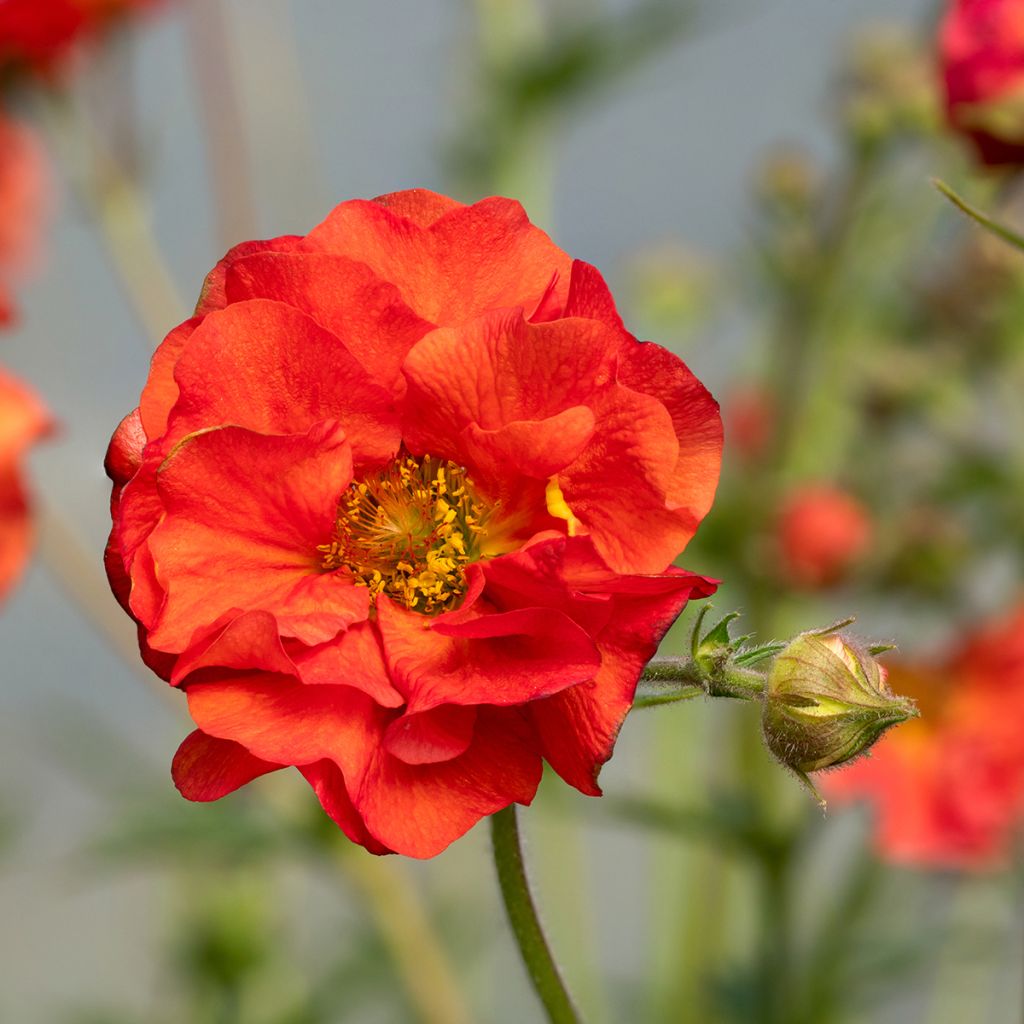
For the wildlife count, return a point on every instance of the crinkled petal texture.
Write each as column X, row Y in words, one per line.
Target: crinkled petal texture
column 399, row 507
column 23, row 421
column 948, row 788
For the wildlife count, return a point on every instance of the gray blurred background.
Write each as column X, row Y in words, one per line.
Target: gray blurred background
column 664, row 152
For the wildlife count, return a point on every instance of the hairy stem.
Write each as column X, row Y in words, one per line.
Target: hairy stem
column 522, row 916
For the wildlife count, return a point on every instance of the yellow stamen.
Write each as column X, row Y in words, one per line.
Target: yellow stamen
column 559, row 507
column 408, row 532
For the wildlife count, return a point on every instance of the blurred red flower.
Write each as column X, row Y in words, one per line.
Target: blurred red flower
column 981, row 51
column 23, row 420
column 24, row 197
column 36, row 35
column 398, row 507
column 948, row 788
column 750, row 422
column 822, row 531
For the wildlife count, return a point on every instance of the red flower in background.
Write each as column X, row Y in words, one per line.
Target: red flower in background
column 822, row 532
column 948, row 788
column 981, row 51
column 23, row 420
column 398, row 508
column 750, row 421
column 24, row 197
column 37, row 35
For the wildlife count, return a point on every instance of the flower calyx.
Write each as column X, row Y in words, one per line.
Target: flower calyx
column 826, row 701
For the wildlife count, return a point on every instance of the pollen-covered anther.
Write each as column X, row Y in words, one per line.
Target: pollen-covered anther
column 408, row 532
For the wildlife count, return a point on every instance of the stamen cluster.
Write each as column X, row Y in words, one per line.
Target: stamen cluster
column 408, row 532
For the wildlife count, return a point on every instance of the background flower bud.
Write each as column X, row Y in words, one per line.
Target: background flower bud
column 827, row 701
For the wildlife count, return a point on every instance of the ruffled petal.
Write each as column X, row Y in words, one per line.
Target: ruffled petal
column 249, row 640
column 470, row 260
column 206, row 768
column 419, row 205
column 354, row 658
column 161, row 390
column 502, row 658
column 418, row 810
column 270, row 368
column 245, row 514
column 278, row 719
column 499, row 370
column 617, row 487
column 214, row 294
column 342, row 295
column 654, row 371
column 626, row 616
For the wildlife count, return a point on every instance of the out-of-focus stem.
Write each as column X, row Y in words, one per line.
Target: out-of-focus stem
column 522, row 916
column 121, row 215
column 79, row 575
column 127, row 232
column 221, row 116
column 776, row 939
column 398, row 913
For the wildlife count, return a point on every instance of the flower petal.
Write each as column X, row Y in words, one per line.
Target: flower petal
column 498, row 370
column 248, row 640
column 418, row 810
column 354, row 658
column 627, row 617
column 213, row 295
column 504, row 658
column 342, row 295
column 244, row 516
column 440, row 734
column 277, row 718
column 470, row 260
column 654, row 371
column 329, row 785
column 270, row 368
column 206, row 768
column 419, row 205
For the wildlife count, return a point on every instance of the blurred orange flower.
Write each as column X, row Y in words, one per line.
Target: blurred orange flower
column 36, row 35
column 822, row 531
column 23, row 420
column 399, row 507
column 981, row 50
column 948, row 788
column 24, row 198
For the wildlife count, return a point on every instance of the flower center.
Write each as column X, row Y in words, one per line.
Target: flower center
column 408, row 531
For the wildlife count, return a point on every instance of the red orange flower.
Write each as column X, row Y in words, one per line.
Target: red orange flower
column 948, row 787
column 24, row 195
column 981, row 49
column 23, row 420
column 822, row 532
column 36, row 35
column 398, row 507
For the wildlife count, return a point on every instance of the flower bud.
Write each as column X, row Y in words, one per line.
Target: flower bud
column 826, row 701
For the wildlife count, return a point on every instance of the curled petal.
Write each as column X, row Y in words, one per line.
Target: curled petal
column 206, row 768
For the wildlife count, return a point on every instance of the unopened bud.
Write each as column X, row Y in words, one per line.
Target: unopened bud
column 826, row 701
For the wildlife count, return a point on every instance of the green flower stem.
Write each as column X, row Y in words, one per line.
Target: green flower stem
column 522, row 916
column 667, row 680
